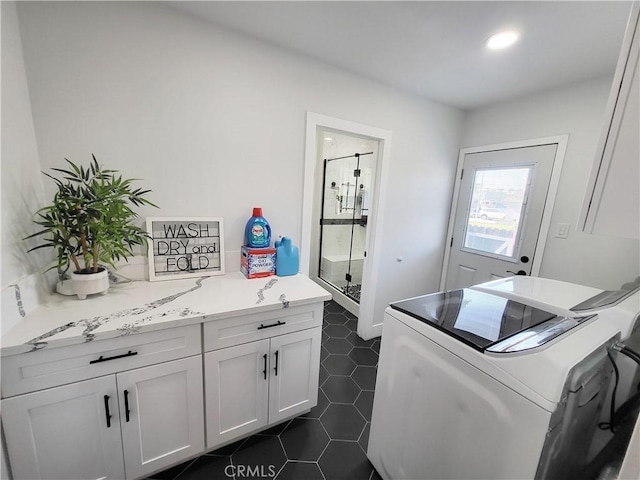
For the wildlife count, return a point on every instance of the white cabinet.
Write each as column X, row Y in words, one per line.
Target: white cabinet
column 236, row 391
column 130, row 405
column 293, row 380
column 63, row 433
column 262, row 382
column 612, row 201
column 161, row 414
column 122, row 425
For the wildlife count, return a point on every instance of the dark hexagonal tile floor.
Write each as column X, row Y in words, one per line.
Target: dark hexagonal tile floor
column 342, row 422
column 304, row 439
column 338, row 345
column 337, row 331
column 340, row 389
column 327, row 443
column 338, row 365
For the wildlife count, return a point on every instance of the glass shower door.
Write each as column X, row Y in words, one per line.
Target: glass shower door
column 345, row 210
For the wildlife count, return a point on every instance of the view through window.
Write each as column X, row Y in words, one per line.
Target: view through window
column 496, row 210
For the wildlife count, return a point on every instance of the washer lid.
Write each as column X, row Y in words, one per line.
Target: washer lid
column 483, row 321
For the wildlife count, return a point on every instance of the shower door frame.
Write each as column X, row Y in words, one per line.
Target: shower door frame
column 370, row 311
column 356, row 172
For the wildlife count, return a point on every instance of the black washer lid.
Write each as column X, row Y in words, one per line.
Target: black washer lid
column 478, row 319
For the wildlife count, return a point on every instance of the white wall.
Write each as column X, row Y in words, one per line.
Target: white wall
column 577, row 110
column 21, row 177
column 21, row 180
column 215, row 124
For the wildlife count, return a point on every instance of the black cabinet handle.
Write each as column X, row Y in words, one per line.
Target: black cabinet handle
column 126, row 404
column 276, row 368
column 106, row 410
column 106, row 359
column 272, row 325
column 264, row 372
column 519, row 272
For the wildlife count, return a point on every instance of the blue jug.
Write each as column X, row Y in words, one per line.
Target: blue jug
column 287, row 258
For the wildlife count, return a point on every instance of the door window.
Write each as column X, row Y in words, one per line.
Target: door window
column 496, row 210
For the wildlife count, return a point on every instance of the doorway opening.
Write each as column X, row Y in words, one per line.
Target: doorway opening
column 346, row 194
column 348, row 217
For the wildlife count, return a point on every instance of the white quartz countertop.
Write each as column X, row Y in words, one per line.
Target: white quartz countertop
column 144, row 306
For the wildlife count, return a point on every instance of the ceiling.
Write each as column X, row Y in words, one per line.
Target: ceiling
column 435, row 49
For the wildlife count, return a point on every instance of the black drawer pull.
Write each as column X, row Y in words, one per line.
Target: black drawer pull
column 264, row 372
column 276, row 369
column 126, row 404
column 272, row 325
column 106, row 410
column 106, row 359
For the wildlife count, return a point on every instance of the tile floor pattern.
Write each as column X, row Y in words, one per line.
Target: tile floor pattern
column 329, row 442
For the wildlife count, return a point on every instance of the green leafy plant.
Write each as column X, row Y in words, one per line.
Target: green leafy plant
column 90, row 218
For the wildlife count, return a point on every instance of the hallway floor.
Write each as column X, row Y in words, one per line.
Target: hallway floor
column 329, row 442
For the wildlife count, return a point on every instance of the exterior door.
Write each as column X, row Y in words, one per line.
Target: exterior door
column 236, row 386
column 293, row 385
column 162, row 414
column 66, row 433
column 499, row 211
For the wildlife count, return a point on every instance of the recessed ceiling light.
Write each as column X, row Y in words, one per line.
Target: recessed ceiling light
column 328, row 139
column 502, row 40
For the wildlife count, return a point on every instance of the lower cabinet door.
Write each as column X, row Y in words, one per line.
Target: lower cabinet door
column 161, row 413
column 65, row 433
column 295, row 367
column 236, row 387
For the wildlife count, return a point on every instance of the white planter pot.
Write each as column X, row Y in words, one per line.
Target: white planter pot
column 87, row 283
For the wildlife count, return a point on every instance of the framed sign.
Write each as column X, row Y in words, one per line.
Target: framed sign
column 185, row 247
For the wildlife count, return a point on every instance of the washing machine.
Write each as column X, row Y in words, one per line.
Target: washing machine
column 620, row 308
column 472, row 385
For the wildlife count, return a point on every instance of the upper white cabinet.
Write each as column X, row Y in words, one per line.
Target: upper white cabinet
column 612, row 202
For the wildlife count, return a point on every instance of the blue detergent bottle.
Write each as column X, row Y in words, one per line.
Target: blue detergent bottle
column 257, row 233
column 287, row 258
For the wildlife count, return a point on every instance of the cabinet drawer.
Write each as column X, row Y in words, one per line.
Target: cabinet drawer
column 237, row 330
column 46, row 368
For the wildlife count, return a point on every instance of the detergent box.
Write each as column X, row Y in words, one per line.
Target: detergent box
column 257, row 262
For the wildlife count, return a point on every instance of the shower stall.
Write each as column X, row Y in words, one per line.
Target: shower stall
column 347, row 184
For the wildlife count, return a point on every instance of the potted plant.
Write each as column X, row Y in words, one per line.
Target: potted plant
column 89, row 222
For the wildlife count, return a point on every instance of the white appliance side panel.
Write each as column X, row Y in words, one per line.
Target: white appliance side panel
column 539, row 292
column 436, row 416
column 559, row 297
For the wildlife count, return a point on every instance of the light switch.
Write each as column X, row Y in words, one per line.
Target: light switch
column 563, row 230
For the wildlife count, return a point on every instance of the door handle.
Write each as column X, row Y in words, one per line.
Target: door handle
column 106, row 410
column 519, row 272
column 276, row 367
column 264, row 372
column 126, row 405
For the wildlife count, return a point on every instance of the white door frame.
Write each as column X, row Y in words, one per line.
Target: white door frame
column 561, row 141
column 371, row 268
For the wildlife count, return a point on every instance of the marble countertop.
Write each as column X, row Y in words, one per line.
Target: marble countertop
column 142, row 306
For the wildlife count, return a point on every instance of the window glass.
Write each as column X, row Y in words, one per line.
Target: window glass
column 497, row 207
